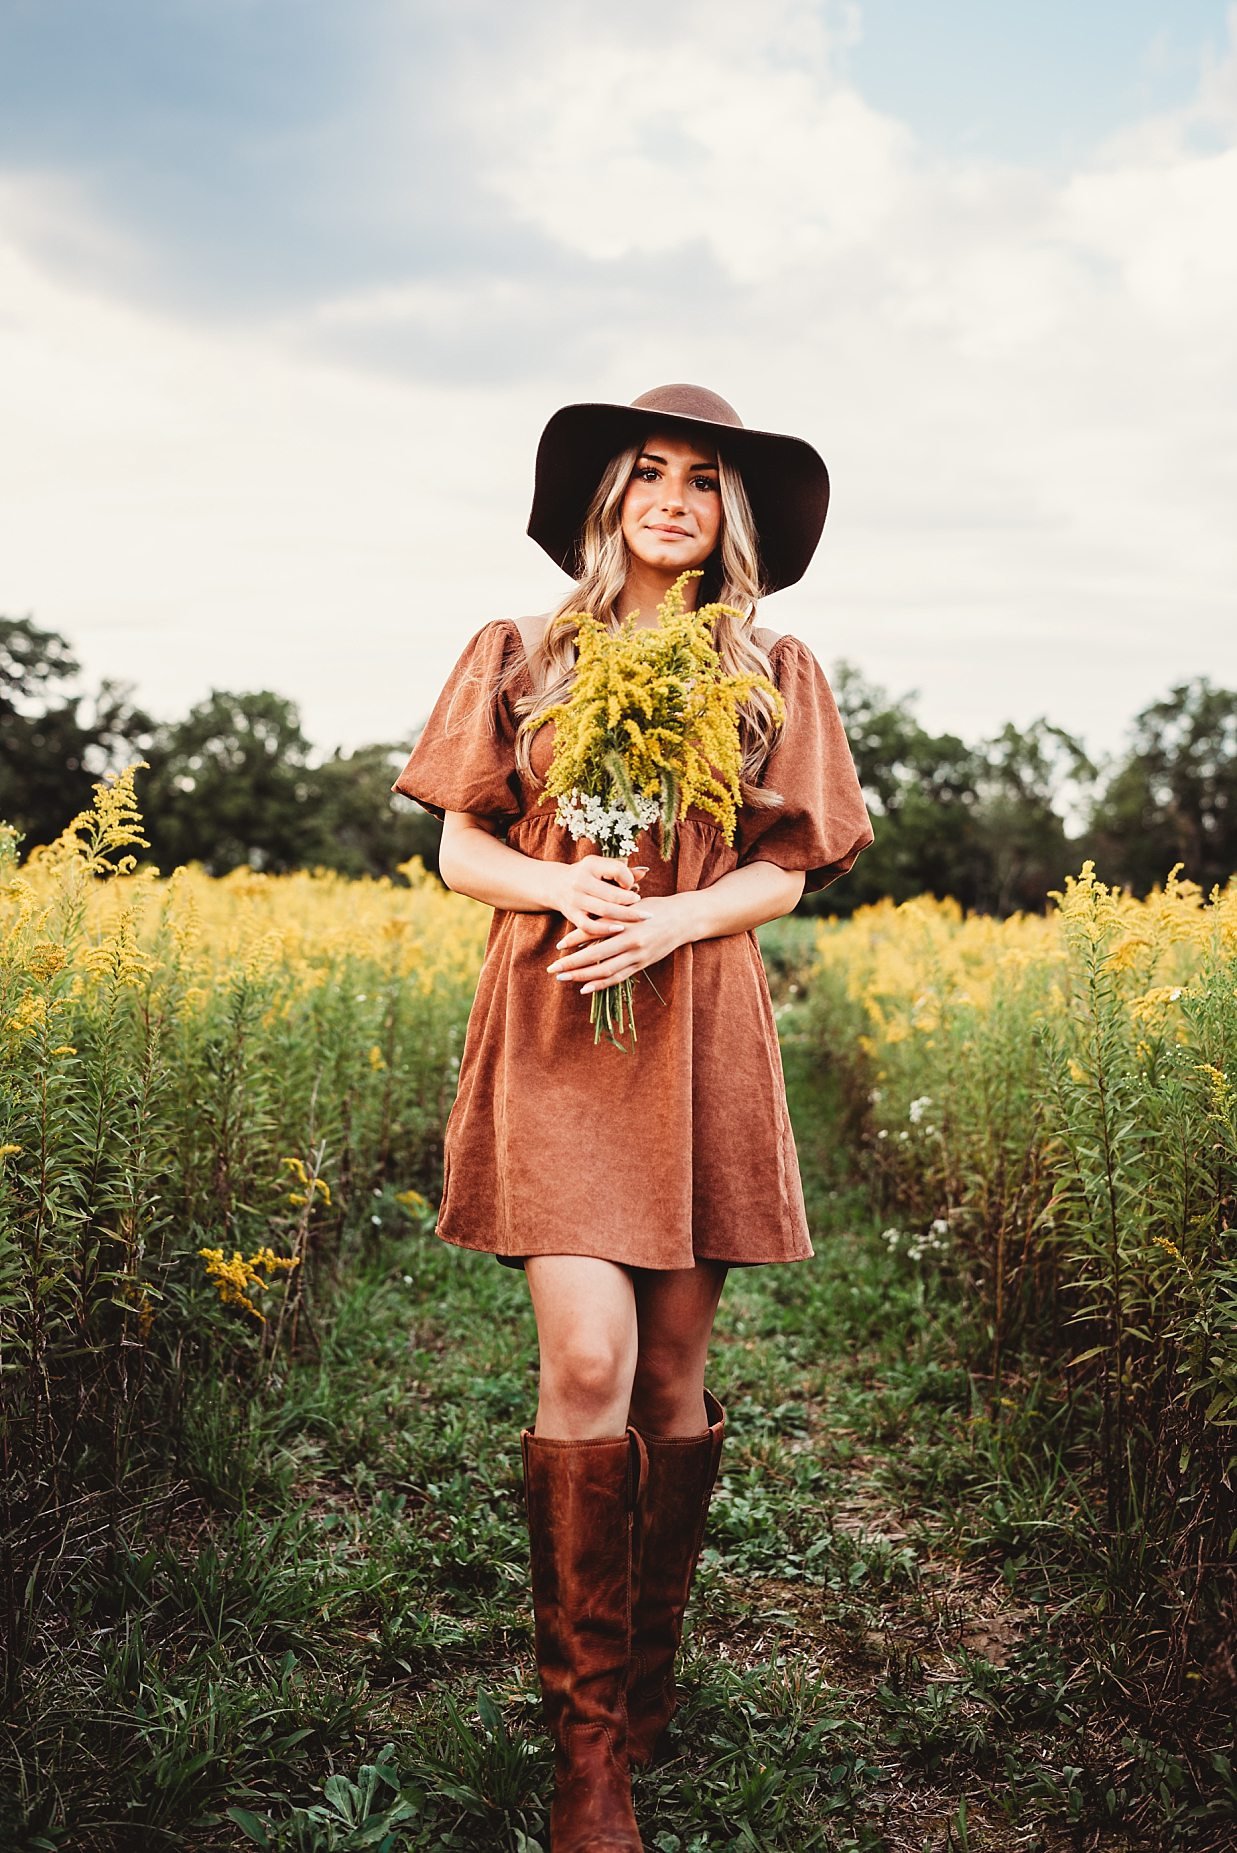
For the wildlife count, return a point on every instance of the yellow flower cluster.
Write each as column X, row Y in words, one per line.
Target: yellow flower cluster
column 916, row 969
column 115, row 980
column 89, row 844
column 243, row 1274
column 652, row 712
column 312, row 1187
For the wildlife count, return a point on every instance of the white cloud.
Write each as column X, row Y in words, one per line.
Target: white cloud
column 730, row 132
column 1022, row 382
column 1019, row 378
column 194, row 507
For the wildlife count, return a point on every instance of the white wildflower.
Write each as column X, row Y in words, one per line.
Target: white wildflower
column 917, row 1108
column 610, row 824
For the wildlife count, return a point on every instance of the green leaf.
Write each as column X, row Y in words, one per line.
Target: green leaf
column 249, row 1824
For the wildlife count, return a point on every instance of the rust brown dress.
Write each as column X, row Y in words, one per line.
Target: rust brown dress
column 680, row 1149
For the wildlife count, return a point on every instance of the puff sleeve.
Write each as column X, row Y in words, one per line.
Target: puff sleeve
column 822, row 823
column 464, row 758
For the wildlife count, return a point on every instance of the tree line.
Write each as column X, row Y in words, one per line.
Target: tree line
column 994, row 823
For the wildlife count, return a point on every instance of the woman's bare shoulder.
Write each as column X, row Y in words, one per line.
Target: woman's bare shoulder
column 532, row 630
column 767, row 638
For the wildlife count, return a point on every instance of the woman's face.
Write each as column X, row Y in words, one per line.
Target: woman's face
column 672, row 506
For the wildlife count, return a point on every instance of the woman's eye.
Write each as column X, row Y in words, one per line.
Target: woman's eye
column 647, row 473
column 704, row 482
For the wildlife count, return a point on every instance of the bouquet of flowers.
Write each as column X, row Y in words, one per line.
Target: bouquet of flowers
column 651, row 728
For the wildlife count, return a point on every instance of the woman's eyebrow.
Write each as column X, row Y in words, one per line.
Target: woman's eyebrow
column 650, row 456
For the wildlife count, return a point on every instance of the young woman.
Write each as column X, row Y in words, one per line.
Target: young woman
column 626, row 1183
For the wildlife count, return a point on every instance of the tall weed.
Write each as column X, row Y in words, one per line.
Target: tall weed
column 1048, row 1107
column 207, row 1087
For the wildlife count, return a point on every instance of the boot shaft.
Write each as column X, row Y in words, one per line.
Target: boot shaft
column 669, row 1533
column 582, row 1497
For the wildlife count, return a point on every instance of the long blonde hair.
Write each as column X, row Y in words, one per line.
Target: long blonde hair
column 731, row 577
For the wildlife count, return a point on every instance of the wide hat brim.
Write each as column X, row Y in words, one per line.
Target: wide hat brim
column 785, row 478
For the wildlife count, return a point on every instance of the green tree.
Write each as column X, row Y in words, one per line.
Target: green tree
column 364, row 828
column 231, row 784
column 1174, row 796
column 55, row 743
column 1030, row 779
column 923, row 793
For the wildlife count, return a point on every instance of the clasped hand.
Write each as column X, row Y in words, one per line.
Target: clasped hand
column 615, row 932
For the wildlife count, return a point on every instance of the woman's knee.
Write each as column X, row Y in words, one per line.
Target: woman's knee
column 665, row 1375
column 589, row 1371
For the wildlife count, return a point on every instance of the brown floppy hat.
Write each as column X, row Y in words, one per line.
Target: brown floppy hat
column 786, row 480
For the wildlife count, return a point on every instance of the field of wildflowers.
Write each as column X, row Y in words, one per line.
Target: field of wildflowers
column 262, row 1556
column 1048, row 1109
column 208, row 1087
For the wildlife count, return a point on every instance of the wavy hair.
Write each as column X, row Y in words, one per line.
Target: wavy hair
column 731, row 577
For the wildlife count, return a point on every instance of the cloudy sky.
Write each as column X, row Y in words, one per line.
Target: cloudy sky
column 289, row 287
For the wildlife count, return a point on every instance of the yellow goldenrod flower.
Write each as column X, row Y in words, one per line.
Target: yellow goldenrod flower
column 237, row 1278
column 46, row 959
column 649, row 732
column 652, row 715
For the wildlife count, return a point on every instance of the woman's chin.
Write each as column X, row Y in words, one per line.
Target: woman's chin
column 670, row 559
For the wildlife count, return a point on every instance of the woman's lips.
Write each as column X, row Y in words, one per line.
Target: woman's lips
column 661, row 528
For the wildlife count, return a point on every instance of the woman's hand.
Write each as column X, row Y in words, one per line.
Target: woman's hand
column 598, row 895
column 594, row 961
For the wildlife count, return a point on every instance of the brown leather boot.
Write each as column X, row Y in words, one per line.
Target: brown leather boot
column 582, row 1497
column 682, row 1470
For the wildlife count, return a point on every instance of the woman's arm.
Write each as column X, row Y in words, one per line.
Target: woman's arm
column 599, row 897
column 745, row 898
column 597, row 890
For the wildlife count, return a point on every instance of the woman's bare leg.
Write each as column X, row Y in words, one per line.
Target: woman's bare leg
column 587, row 1334
column 674, row 1314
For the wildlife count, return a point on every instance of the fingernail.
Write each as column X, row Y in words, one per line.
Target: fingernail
column 559, row 944
column 562, row 977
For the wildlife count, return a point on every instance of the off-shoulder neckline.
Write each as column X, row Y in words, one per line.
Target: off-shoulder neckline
column 513, row 626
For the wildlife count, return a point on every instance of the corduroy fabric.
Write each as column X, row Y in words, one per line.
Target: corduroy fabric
column 682, row 1148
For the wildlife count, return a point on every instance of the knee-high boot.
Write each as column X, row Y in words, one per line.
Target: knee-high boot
column 670, row 1531
column 582, row 1499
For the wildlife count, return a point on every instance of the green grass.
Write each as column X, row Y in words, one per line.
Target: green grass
column 317, row 1636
